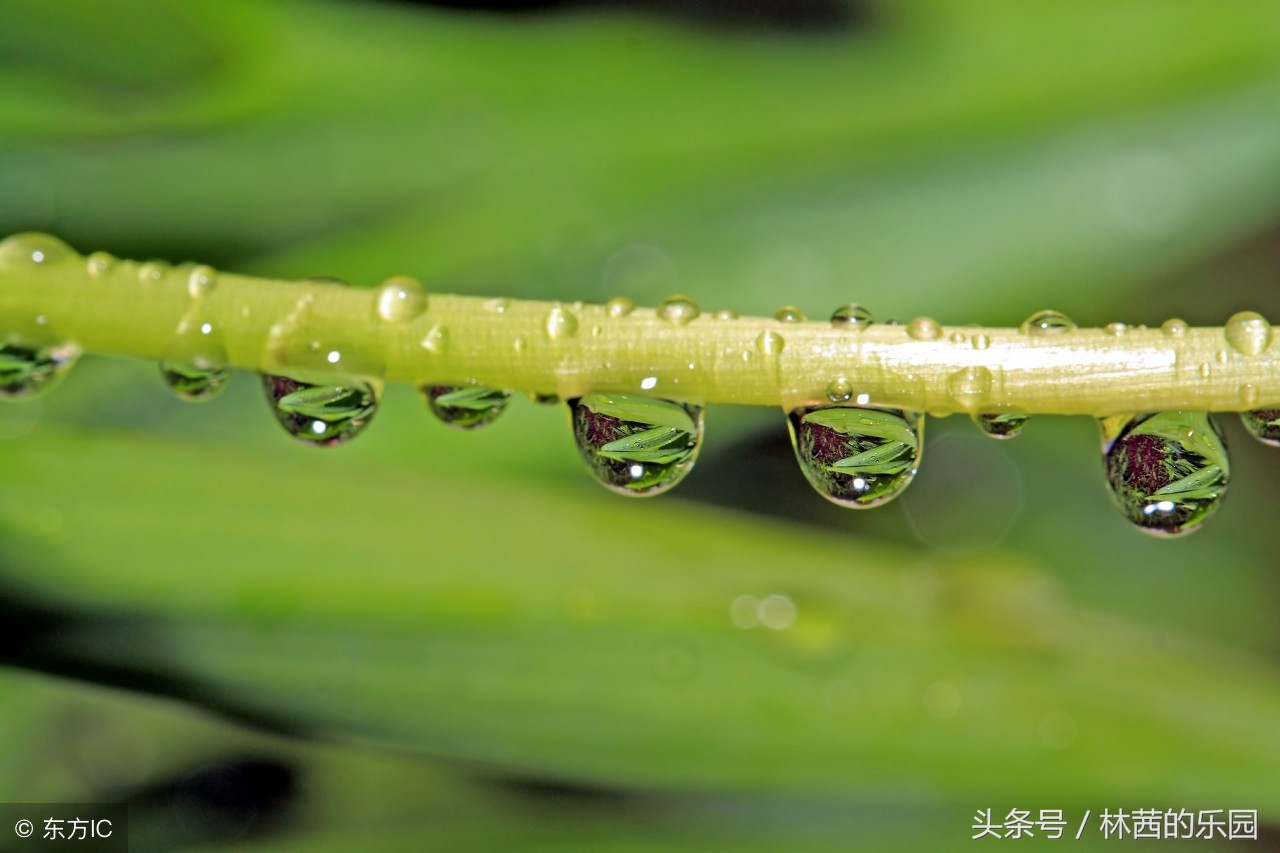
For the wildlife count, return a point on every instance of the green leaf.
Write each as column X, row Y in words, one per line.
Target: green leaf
column 471, row 397
column 885, row 459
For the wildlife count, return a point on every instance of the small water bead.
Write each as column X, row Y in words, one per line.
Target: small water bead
column 678, row 310
column 727, row 314
column 193, row 380
column 637, row 446
column 465, row 406
column 1248, row 333
column 619, row 306
column 789, row 314
column 400, row 299
column 201, row 281
column 1263, row 424
column 839, row 390
column 323, row 415
column 852, row 314
column 856, row 457
column 1166, row 472
column 770, row 343
column 99, row 264
column 499, row 305
column 970, row 386
column 980, row 341
column 1000, row 424
column 1173, row 327
column 31, row 248
column 924, row 329
column 1047, row 323
column 1115, row 330
column 958, row 337
column 152, row 271
column 437, row 339
column 561, row 323
column 27, row 370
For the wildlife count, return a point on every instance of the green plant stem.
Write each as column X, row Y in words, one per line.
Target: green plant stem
column 318, row 329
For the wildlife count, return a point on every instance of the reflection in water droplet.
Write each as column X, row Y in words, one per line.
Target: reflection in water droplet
column 770, row 343
column 32, row 248
column 400, row 299
column 852, row 314
column 924, row 329
column 678, row 310
column 969, row 386
column 99, row 264
column 465, row 406
column 1000, row 424
column 788, row 314
column 323, row 415
column 1173, row 327
column 193, row 381
column 1263, row 424
column 1248, row 333
column 29, row 369
column 1047, row 323
column 561, row 323
column 839, row 390
column 619, row 306
column 856, row 457
column 1166, row 472
column 636, row 445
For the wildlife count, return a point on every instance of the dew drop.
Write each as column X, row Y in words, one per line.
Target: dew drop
column 465, row 406
column 969, row 386
column 497, row 306
column 194, row 365
column 619, row 306
column 924, row 329
column 1173, row 327
column 726, row 314
column 852, row 314
column 839, row 390
column 152, row 271
column 1166, row 472
column 201, row 281
column 957, row 337
column 1115, row 330
column 99, row 264
column 31, row 248
column 980, row 341
column 1263, row 424
column 1047, row 323
column 27, row 370
column 400, row 299
column 1248, row 333
column 324, row 415
column 1205, row 370
column 678, row 310
column 1248, row 394
column 770, row 343
column 561, row 323
column 437, row 339
column 193, row 380
column 789, row 314
column 1000, row 424
column 856, row 457
column 634, row 445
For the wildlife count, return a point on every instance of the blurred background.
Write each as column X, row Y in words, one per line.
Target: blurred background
column 437, row 640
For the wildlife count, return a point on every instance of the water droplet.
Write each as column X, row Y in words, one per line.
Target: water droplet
column 1248, row 394
column 1205, row 370
column 325, row 415
column 924, row 329
column 1000, row 424
column 201, row 281
column 789, row 314
column 1047, row 323
column 970, row 385
column 28, row 369
column 192, row 380
column 852, row 314
column 678, row 309
column 561, row 323
column 856, row 457
column 1115, row 330
column 981, row 341
column 770, row 343
column 839, row 390
column 497, row 306
column 1166, row 472
column 1263, row 424
column 619, row 306
column 99, row 264
column 1173, row 327
column 726, row 314
column 958, row 337
column 465, row 406
column 152, row 271
column 1248, row 333
column 31, row 248
column 545, row 399
column 636, row 445
column 518, row 345
column 437, row 339
column 400, row 299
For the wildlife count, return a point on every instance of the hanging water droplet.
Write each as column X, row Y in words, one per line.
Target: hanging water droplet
column 561, row 323
column 924, row 329
column 201, row 281
column 678, row 310
column 325, row 415
column 1248, row 333
column 788, row 314
column 32, row 248
column 544, row 399
column 839, row 390
column 27, row 370
column 1166, row 472
column 619, row 306
column 193, row 380
column 1000, row 424
column 636, row 445
column 1263, row 424
column 400, row 299
column 1173, row 327
column 99, row 264
column 852, row 314
column 856, row 457
column 465, row 406
column 770, row 343
column 1047, row 323
column 970, row 386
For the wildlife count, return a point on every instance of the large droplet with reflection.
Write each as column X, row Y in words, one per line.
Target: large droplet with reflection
column 1166, row 472
column 465, row 406
column 638, row 446
column 29, row 369
column 856, row 457
column 324, row 415
column 1263, row 424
